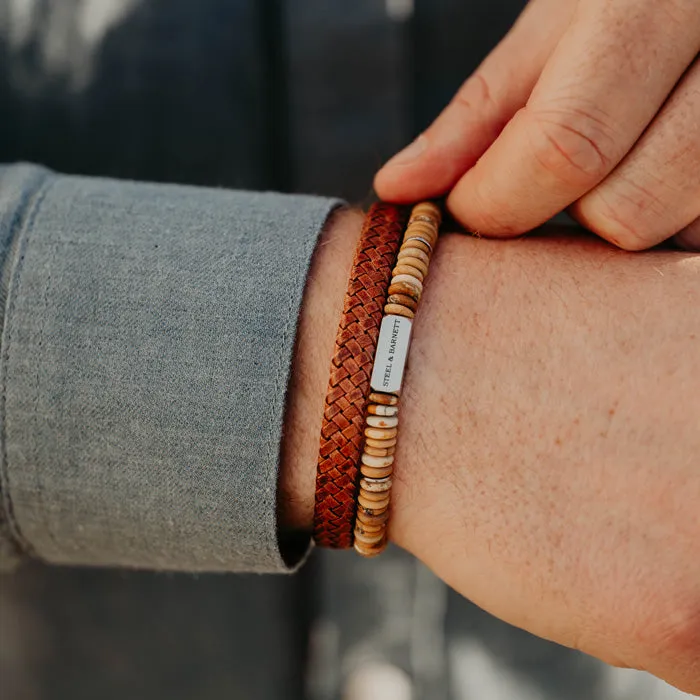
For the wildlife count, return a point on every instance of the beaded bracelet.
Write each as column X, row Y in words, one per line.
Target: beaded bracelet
column 381, row 419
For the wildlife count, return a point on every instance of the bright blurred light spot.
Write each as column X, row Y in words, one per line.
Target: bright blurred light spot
column 399, row 10
column 377, row 681
column 67, row 33
column 476, row 673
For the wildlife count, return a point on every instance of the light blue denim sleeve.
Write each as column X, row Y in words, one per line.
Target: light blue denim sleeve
column 148, row 333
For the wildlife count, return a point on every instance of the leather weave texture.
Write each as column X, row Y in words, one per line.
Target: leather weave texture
column 351, row 368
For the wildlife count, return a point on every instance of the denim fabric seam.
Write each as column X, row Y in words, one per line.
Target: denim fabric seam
column 13, row 285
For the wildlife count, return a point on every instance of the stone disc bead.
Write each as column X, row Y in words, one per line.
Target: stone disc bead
column 378, row 451
column 413, row 264
column 366, row 529
column 376, row 472
column 402, row 300
column 369, row 538
column 398, row 310
column 374, row 495
column 407, row 251
column 375, row 421
column 408, row 279
column 377, row 462
column 429, row 209
column 410, row 289
column 381, row 410
column 384, row 399
column 372, row 519
column 428, row 235
column 423, row 227
column 370, row 508
column 370, row 550
column 381, row 444
column 419, row 242
column 372, row 504
column 376, row 485
column 374, row 500
column 423, row 218
column 381, row 433
column 408, row 270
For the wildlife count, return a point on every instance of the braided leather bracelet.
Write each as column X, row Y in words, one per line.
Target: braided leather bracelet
column 351, row 367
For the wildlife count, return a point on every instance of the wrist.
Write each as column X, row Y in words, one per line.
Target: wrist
column 318, row 323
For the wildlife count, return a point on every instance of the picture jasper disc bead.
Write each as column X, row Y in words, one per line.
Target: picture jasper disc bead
column 402, row 300
column 398, row 310
column 428, row 209
column 378, row 452
column 383, row 444
column 376, row 472
column 381, row 433
column 370, row 550
column 420, row 242
column 376, row 485
column 376, row 421
column 414, row 264
column 365, row 529
column 428, row 235
column 373, row 507
column 377, row 462
column 408, row 279
column 384, row 399
column 408, row 288
column 371, row 518
column 415, row 253
column 375, row 496
column 423, row 226
column 381, row 410
column 408, row 270
column 369, row 538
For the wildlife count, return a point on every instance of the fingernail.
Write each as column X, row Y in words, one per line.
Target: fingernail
column 412, row 152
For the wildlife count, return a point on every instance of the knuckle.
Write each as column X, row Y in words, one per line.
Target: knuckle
column 476, row 92
column 626, row 216
column 573, row 144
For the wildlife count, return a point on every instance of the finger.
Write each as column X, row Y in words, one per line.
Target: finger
column 609, row 75
column 655, row 191
column 433, row 163
column 689, row 237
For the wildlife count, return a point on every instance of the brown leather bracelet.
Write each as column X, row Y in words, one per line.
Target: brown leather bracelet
column 348, row 389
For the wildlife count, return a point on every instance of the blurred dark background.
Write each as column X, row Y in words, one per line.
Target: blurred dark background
column 299, row 96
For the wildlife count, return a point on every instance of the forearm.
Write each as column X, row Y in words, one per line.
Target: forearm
column 547, row 344
column 547, row 351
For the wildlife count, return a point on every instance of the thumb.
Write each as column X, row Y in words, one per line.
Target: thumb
column 436, row 160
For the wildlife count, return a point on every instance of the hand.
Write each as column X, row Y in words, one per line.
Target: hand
column 588, row 104
column 548, row 463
